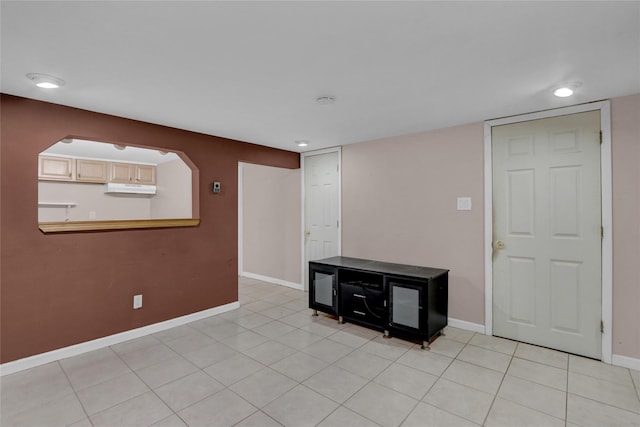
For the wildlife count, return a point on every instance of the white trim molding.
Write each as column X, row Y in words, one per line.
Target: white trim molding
column 467, row 326
column 625, row 362
column 272, row 280
column 74, row 350
column 607, row 216
column 240, row 217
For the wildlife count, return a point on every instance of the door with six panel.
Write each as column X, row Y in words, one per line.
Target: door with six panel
column 547, row 286
column 321, row 201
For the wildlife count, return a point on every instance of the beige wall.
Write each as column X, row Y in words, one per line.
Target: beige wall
column 173, row 198
column 271, row 222
column 399, row 204
column 89, row 198
column 625, row 151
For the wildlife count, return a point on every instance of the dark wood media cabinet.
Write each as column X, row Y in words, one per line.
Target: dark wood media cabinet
column 401, row 300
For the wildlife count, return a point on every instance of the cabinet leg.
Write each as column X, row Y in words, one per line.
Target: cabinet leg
column 425, row 345
column 340, row 320
column 386, row 334
column 315, row 313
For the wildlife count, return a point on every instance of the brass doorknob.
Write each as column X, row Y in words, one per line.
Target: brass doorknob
column 499, row 244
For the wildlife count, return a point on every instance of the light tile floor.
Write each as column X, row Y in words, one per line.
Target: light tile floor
column 270, row 363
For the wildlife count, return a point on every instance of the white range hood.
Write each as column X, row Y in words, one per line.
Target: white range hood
column 116, row 188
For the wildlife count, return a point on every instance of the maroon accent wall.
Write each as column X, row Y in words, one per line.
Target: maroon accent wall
column 62, row 289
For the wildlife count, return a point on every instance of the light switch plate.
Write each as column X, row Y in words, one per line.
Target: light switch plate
column 464, row 203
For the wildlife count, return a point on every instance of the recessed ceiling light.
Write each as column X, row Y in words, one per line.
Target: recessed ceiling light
column 566, row 88
column 325, row 100
column 44, row 81
column 563, row 92
column 302, row 143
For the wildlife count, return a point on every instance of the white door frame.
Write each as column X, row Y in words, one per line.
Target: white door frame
column 607, row 242
column 303, row 156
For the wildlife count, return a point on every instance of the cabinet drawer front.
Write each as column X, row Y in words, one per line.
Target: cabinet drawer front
column 362, row 303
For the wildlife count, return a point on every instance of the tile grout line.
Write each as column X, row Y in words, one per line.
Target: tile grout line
column 440, row 377
column 75, row 393
column 148, row 386
column 334, row 364
column 100, row 383
column 495, row 396
column 225, row 387
column 199, row 369
column 298, row 383
column 327, row 322
column 636, row 385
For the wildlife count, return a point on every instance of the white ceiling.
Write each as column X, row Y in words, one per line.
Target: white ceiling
column 252, row 70
column 104, row 151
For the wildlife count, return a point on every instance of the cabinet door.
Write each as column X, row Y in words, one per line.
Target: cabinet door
column 145, row 174
column 322, row 289
column 56, row 168
column 91, row 171
column 406, row 299
column 121, row 172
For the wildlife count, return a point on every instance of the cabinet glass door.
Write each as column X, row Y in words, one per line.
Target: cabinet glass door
column 405, row 306
column 323, row 288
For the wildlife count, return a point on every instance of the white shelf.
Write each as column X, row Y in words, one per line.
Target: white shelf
column 56, row 204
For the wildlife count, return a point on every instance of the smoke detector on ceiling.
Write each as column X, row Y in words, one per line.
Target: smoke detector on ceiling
column 325, row 100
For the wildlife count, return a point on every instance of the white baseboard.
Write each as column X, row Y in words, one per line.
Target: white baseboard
column 74, row 350
column 463, row 324
column 625, row 362
column 616, row 359
column 272, row 280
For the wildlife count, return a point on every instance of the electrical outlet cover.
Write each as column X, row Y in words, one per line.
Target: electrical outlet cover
column 137, row 301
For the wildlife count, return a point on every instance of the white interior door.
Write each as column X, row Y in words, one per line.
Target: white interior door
column 321, row 206
column 547, row 285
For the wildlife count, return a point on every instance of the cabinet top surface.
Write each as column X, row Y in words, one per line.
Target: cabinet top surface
column 382, row 267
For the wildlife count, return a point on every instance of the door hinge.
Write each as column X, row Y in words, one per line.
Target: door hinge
column 338, row 224
column 601, row 232
column 600, row 137
column 602, row 327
